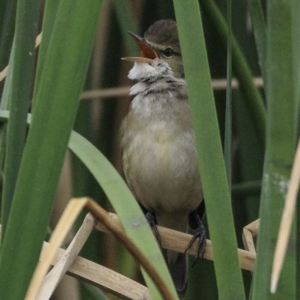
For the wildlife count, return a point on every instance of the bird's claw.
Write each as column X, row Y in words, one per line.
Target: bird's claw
column 200, row 234
column 150, row 217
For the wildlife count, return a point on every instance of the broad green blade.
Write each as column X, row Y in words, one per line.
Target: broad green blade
column 213, row 173
column 19, row 96
column 281, row 142
column 297, row 85
column 56, row 102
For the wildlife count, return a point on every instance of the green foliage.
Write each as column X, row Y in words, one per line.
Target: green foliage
column 18, row 97
column 282, row 102
column 55, row 106
column 263, row 130
column 210, row 155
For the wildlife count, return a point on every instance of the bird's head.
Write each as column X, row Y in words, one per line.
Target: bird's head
column 162, row 36
column 160, row 42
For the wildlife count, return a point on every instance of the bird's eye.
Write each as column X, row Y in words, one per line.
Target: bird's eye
column 168, row 52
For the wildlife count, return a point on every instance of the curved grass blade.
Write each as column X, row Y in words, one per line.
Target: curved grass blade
column 125, row 205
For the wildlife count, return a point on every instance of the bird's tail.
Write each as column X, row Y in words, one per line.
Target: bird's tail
column 178, row 267
column 176, row 262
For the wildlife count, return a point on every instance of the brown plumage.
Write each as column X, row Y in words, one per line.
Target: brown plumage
column 159, row 153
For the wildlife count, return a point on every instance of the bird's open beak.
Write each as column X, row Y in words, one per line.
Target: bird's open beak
column 146, row 52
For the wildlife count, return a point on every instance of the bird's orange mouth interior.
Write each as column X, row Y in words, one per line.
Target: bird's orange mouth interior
column 147, row 53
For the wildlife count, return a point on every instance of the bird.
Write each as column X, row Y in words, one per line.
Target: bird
column 160, row 161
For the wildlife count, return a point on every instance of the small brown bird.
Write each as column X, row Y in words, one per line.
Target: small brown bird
column 159, row 152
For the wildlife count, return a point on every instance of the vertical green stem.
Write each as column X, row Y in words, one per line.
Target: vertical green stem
column 281, row 142
column 260, row 33
column 7, row 19
column 210, row 155
column 228, row 112
column 19, row 95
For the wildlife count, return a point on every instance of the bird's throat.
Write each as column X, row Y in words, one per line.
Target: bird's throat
column 141, row 70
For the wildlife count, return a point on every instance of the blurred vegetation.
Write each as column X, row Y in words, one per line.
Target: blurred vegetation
column 265, row 121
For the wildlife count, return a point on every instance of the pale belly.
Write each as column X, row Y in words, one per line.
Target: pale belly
column 161, row 168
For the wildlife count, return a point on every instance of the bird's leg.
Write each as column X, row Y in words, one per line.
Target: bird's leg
column 200, row 234
column 150, row 216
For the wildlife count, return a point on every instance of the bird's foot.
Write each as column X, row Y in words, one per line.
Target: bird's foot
column 200, row 234
column 150, row 216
